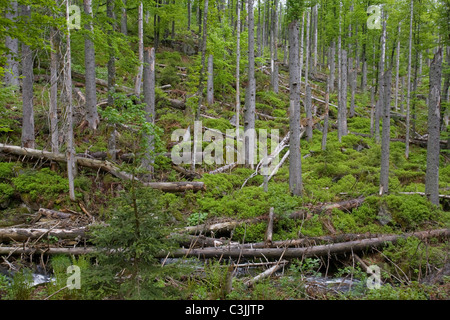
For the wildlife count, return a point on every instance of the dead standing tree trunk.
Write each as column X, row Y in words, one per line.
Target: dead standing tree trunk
column 28, row 137
column 434, row 113
column 89, row 62
column 295, row 159
column 149, row 100
column 210, row 81
column 12, row 74
column 250, row 93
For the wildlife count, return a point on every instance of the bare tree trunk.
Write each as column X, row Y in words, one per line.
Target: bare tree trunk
column 238, row 59
column 112, row 59
column 274, row 79
column 397, row 75
column 124, row 19
column 28, row 138
column 12, row 74
column 210, row 81
column 301, row 44
column 138, row 81
column 250, row 94
column 385, row 142
column 315, row 43
column 309, row 117
column 258, row 31
column 379, row 105
column 89, row 62
column 332, row 63
column 295, row 159
column 149, row 100
column 54, row 132
column 364, row 69
column 342, row 112
column 325, row 120
column 71, row 169
column 408, row 95
column 433, row 146
column 308, row 47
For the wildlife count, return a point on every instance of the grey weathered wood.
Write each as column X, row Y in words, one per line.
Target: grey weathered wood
column 250, row 93
column 295, row 168
column 89, row 62
column 53, row 112
column 275, row 73
column 210, row 81
column 342, row 112
column 140, row 23
column 386, row 131
column 70, row 153
column 309, row 116
column 12, row 58
column 408, row 82
column 28, row 136
column 149, row 100
column 434, row 115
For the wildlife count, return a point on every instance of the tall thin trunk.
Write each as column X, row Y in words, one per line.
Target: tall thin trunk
column 71, row 169
column 28, row 137
column 111, row 78
column 149, row 100
column 308, row 47
column 124, row 19
column 364, row 68
column 53, row 114
column 397, row 72
column 250, row 93
column 258, row 30
column 112, row 59
column 408, row 83
column 385, row 141
column 378, row 108
column 89, row 62
column 201, row 80
column 315, row 34
column 342, row 112
column 238, row 60
column 295, row 159
column 274, row 47
column 301, row 44
column 332, row 62
column 12, row 74
column 434, row 113
column 210, row 81
column 138, row 81
column 309, row 116
column 325, row 120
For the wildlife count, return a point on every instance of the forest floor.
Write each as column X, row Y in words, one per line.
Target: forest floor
column 411, row 268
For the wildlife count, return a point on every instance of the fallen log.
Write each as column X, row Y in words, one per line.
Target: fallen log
column 266, row 273
column 102, row 165
column 342, row 205
column 47, row 251
column 54, row 214
column 230, row 166
column 442, row 196
column 289, row 253
column 23, row 234
column 217, row 227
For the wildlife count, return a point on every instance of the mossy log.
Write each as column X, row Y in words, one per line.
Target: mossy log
column 102, row 165
column 23, row 234
column 314, row 251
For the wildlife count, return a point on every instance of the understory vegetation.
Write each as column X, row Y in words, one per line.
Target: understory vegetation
column 134, row 228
